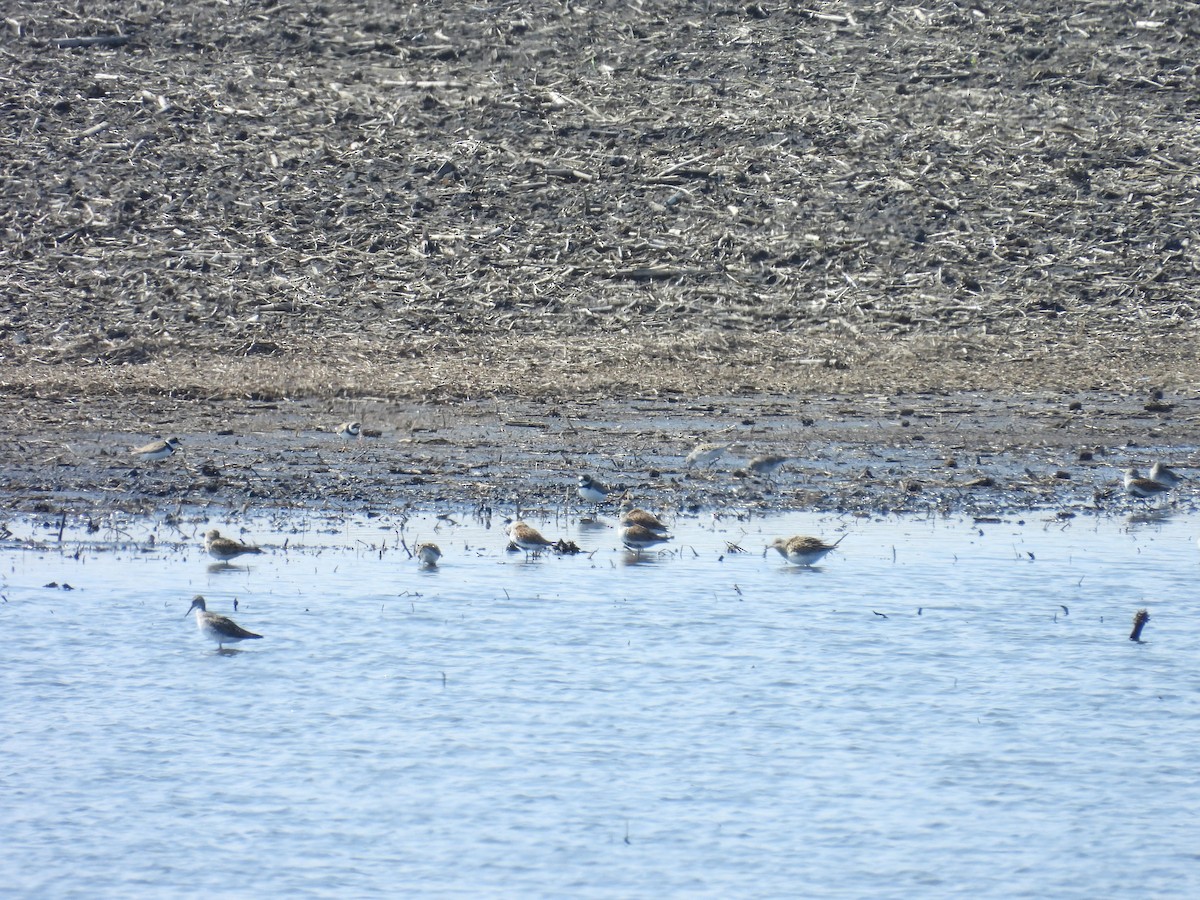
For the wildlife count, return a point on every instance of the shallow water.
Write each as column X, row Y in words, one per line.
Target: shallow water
column 940, row 707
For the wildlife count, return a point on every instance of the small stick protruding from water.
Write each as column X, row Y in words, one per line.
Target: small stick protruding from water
column 1140, row 618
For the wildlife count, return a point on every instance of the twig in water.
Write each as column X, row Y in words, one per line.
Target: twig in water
column 1140, row 618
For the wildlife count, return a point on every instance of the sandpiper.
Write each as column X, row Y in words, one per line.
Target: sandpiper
column 1165, row 475
column 631, row 515
column 218, row 628
column 592, row 491
column 526, row 537
column 767, row 465
column 156, row 450
column 224, row 548
column 639, row 537
column 802, row 550
column 705, row 454
column 1143, row 488
column 428, row 554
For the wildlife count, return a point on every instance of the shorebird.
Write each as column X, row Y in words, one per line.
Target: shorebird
column 767, row 465
column 1165, row 475
column 156, row 450
column 1143, row 488
column 428, row 554
column 592, row 491
column 639, row 537
column 218, row 628
column 349, row 431
column 648, row 520
column 802, row 550
column 705, row 454
column 224, row 548
column 526, row 537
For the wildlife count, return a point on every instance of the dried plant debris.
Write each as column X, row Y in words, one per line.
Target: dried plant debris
column 210, row 200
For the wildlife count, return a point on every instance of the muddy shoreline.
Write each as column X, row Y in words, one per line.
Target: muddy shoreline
column 544, row 235
column 973, row 454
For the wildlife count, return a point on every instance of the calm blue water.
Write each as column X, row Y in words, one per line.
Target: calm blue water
column 699, row 724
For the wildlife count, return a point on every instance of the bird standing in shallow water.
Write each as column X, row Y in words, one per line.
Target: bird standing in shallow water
column 705, row 454
column 224, row 548
column 635, row 516
column 1142, row 488
column 218, row 628
column 526, row 537
column 802, row 550
column 766, row 465
column 592, row 491
column 428, row 554
column 1165, row 475
column 157, row 450
column 639, row 537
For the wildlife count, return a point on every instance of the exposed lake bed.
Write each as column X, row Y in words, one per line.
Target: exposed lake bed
column 965, row 453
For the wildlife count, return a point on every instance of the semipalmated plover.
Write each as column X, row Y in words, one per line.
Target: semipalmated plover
column 157, row 450
column 592, row 491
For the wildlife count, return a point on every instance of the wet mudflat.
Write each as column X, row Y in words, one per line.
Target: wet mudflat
column 940, row 706
column 953, row 452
